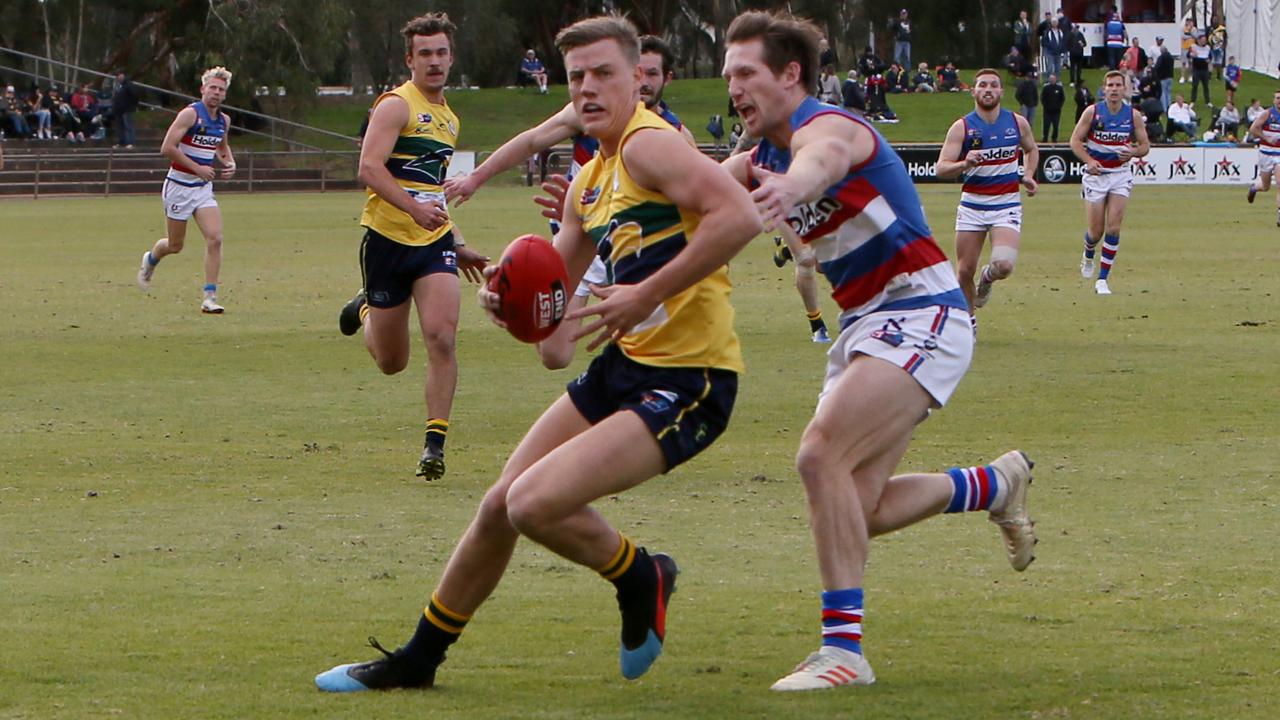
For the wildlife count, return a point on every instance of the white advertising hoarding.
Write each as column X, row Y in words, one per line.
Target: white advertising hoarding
column 1196, row 165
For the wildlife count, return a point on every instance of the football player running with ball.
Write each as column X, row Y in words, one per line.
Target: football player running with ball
column 660, row 393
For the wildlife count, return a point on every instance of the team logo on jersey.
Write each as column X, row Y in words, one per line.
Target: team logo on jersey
column 424, row 118
column 890, row 333
column 1010, row 132
column 589, row 196
column 453, row 129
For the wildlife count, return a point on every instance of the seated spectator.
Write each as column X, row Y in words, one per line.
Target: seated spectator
column 735, row 134
column 1152, row 108
column 13, row 110
column 1228, row 122
column 877, row 99
column 1253, row 111
column 1017, row 63
column 1182, row 118
column 829, row 86
column 949, row 78
column 922, row 81
column 532, row 70
column 1148, row 86
column 852, row 96
column 43, row 117
column 65, row 116
column 85, row 106
column 891, row 78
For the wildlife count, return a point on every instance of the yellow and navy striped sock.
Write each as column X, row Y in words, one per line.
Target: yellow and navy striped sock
column 815, row 321
column 438, row 628
column 364, row 313
column 437, row 431
column 630, row 569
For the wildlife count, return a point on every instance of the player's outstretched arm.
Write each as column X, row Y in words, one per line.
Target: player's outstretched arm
column 225, row 156
column 822, row 153
column 950, row 164
column 739, row 168
column 555, row 129
column 663, row 162
column 1030, row 155
column 389, row 115
column 173, row 138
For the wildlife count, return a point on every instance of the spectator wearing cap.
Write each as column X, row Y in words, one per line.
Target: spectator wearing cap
column 12, row 109
column 532, row 69
column 900, row 29
column 1163, row 64
column 1153, row 50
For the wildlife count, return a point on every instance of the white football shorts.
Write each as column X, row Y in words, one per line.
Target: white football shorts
column 181, row 202
column 1267, row 163
column 973, row 220
column 933, row 344
column 1096, row 188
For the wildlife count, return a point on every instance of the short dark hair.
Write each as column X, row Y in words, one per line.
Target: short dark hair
column 988, row 71
column 655, row 44
column 603, row 27
column 786, row 39
column 429, row 24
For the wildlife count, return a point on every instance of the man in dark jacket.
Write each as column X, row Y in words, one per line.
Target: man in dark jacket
column 1078, row 48
column 1052, row 97
column 1083, row 97
column 869, row 63
column 1028, row 97
column 852, row 96
column 124, row 101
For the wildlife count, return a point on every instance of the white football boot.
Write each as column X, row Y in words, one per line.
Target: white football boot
column 1017, row 528
column 210, row 306
column 145, row 271
column 1101, row 287
column 828, row 668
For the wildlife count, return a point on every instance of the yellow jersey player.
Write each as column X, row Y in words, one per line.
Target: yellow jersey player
column 411, row 250
column 667, row 219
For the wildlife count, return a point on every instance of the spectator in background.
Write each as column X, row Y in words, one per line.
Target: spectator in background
column 826, row 54
column 852, row 96
column 1083, row 98
column 1252, row 112
column 829, row 86
column 1231, row 78
column 900, row 29
column 1117, row 38
column 124, row 102
column 1052, row 98
column 532, row 70
column 1028, row 97
column 1053, row 47
column 1218, row 45
column 1151, row 110
column 1017, row 63
column 1077, row 49
column 14, row 111
column 949, row 78
column 1200, row 53
column 892, row 78
column 1129, row 63
column 66, row 116
column 1228, row 122
column 44, row 118
column 1182, row 118
column 1022, row 33
column 922, row 81
column 1189, row 34
column 1043, row 28
column 1064, row 23
column 1153, row 50
column 1164, row 75
column 735, row 135
column 85, row 105
column 869, row 63
column 1148, row 86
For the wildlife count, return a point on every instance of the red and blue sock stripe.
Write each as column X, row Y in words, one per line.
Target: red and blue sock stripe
column 973, row 488
column 842, row 619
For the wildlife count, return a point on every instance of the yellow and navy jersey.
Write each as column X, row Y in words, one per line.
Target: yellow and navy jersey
column 636, row 232
column 418, row 162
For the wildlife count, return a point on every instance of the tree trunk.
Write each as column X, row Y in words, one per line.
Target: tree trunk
column 48, row 44
column 75, row 74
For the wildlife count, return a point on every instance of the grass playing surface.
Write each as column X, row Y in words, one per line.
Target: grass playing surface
column 197, row 514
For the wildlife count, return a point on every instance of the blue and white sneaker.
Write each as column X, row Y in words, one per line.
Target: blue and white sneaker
column 644, row 623
column 821, row 337
column 393, row 671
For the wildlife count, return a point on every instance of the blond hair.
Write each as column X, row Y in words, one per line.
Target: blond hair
column 215, row 73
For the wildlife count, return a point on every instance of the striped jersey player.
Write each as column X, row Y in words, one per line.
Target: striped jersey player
column 196, row 137
column 905, row 339
column 1266, row 128
column 988, row 148
column 1108, row 135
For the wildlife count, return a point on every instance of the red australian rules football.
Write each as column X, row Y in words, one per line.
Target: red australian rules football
column 530, row 283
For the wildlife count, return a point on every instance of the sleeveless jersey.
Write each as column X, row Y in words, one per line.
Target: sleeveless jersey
column 993, row 184
column 636, row 232
column 200, row 144
column 869, row 230
column 418, row 162
column 1114, row 30
column 1108, row 134
column 1270, row 144
column 585, row 146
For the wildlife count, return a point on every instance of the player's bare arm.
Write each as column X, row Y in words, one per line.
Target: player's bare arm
column 739, row 168
column 1030, row 156
column 1255, row 130
column 1142, row 142
column 1078, row 135
column 663, row 162
column 391, row 114
column 555, row 129
column 173, row 138
column 224, row 154
column 470, row 263
column 822, row 152
column 950, row 165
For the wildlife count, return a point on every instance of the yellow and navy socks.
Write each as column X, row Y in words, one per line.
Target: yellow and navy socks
column 438, row 628
column 630, row 569
column 437, row 431
column 815, row 321
column 842, row 619
column 974, row 488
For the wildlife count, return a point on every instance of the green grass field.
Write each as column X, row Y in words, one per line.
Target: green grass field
column 489, row 117
column 197, row 514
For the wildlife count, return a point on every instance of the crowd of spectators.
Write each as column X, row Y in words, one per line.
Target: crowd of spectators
column 46, row 113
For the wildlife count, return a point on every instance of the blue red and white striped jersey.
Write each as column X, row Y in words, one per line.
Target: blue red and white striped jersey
column 868, row 230
column 1270, row 144
column 1108, row 133
column 585, row 146
column 1114, row 30
column 199, row 143
column 993, row 183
